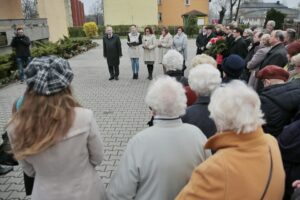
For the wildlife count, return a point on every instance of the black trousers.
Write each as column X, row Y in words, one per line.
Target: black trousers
column 113, row 70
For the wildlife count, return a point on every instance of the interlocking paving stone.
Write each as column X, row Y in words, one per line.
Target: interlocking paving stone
column 118, row 107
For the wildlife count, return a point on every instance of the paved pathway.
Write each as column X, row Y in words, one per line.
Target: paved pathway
column 118, row 106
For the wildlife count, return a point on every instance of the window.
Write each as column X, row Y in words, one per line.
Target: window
column 159, row 2
column 159, row 16
column 187, row 2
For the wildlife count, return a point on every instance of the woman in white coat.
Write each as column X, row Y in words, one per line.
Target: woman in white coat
column 149, row 44
column 165, row 43
column 54, row 139
column 159, row 160
column 180, row 42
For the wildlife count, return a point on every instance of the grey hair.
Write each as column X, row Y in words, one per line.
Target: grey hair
column 166, row 97
column 204, row 79
column 296, row 60
column 279, row 34
column 265, row 39
column 249, row 32
column 272, row 23
column 172, row 60
column 236, row 107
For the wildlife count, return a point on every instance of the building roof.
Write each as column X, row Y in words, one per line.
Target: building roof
column 262, row 5
column 195, row 13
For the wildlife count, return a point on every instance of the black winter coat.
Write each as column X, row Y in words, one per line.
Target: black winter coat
column 280, row 103
column 21, row 45
column 202, row 41
column 276, row 56
column 198, row 115
column 239, row 47
column 289, row 144
column 112, row 50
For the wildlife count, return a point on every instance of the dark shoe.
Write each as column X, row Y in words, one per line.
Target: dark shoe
column 116, row 78
column 150, row 77
column 5, row 170
column 137, row 76
column 111, row 78
column 133, row 77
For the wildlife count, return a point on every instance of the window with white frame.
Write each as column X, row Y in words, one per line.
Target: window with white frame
column 187, row 2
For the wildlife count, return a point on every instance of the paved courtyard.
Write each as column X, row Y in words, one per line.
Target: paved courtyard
column 118, row 106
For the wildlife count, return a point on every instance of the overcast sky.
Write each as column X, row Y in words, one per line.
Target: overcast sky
column 290, row 3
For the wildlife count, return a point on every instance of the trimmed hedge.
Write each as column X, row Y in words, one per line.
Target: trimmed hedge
column 123, row 30
column 65, row 48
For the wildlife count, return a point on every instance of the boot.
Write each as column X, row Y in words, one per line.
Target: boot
column 6, row 157
column 133, row 76
column 136, row 76
column 150, row 71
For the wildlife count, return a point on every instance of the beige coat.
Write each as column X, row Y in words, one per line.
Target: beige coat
column 66, row 171
column 149, row 44
column 166, row 43
column 238, row 170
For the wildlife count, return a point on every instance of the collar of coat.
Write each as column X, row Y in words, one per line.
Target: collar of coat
column 203, row 100
column 230, row 139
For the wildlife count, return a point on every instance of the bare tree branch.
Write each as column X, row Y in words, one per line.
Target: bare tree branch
column 29, row 9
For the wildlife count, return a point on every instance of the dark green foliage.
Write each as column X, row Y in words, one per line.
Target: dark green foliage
column 277, row 16
column 65, row 48
column 76, row 32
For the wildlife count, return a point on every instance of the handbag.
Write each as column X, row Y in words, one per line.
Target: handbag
column 270, row 176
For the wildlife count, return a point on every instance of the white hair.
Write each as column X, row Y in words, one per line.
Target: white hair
column 203, row 59
column 172, row 60
column 236, row 107
column 204, row 79
column 296, row 60
column 271, row 23
column 166, row 97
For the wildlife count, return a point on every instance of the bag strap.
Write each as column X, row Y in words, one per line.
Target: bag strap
column 270, row 175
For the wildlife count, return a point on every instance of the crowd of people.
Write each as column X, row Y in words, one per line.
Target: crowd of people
column 230, row 130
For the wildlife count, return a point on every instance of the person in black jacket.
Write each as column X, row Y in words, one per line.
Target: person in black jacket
column 289, row 144
column 279, row 100
column 21, row 44
column 278, row 53
column 203, row 80
column 229, row 39
column 239, row 46
column 201, row 41
column 112, row 51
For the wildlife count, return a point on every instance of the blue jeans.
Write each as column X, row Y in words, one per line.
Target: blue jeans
column 135, row 65
column 22, row 62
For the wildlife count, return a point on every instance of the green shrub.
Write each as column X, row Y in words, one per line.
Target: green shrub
column 76, row 32
column 65, row 48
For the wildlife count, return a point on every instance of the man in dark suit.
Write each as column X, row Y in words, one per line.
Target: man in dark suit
column 112, row 51
column 204, row 38
column 277, row 54
column 239, row 46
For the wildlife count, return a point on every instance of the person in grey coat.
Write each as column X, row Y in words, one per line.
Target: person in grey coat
column 61, row 144
column 112, row 51
column 159, row 160
column 180, row 42
column 254, row 64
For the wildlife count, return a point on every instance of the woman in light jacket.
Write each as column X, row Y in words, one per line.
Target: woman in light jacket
column 149, row 44
column 134, row 40
column 247, row 162
column 180, row 43
column 54, row 139
column 165, row 43
column 158, row 161
column 254, row 64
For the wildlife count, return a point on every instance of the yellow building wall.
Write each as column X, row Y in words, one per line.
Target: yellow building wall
column 11, row 9
column 55, row 12
column 126, row 12
column 172, row 10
